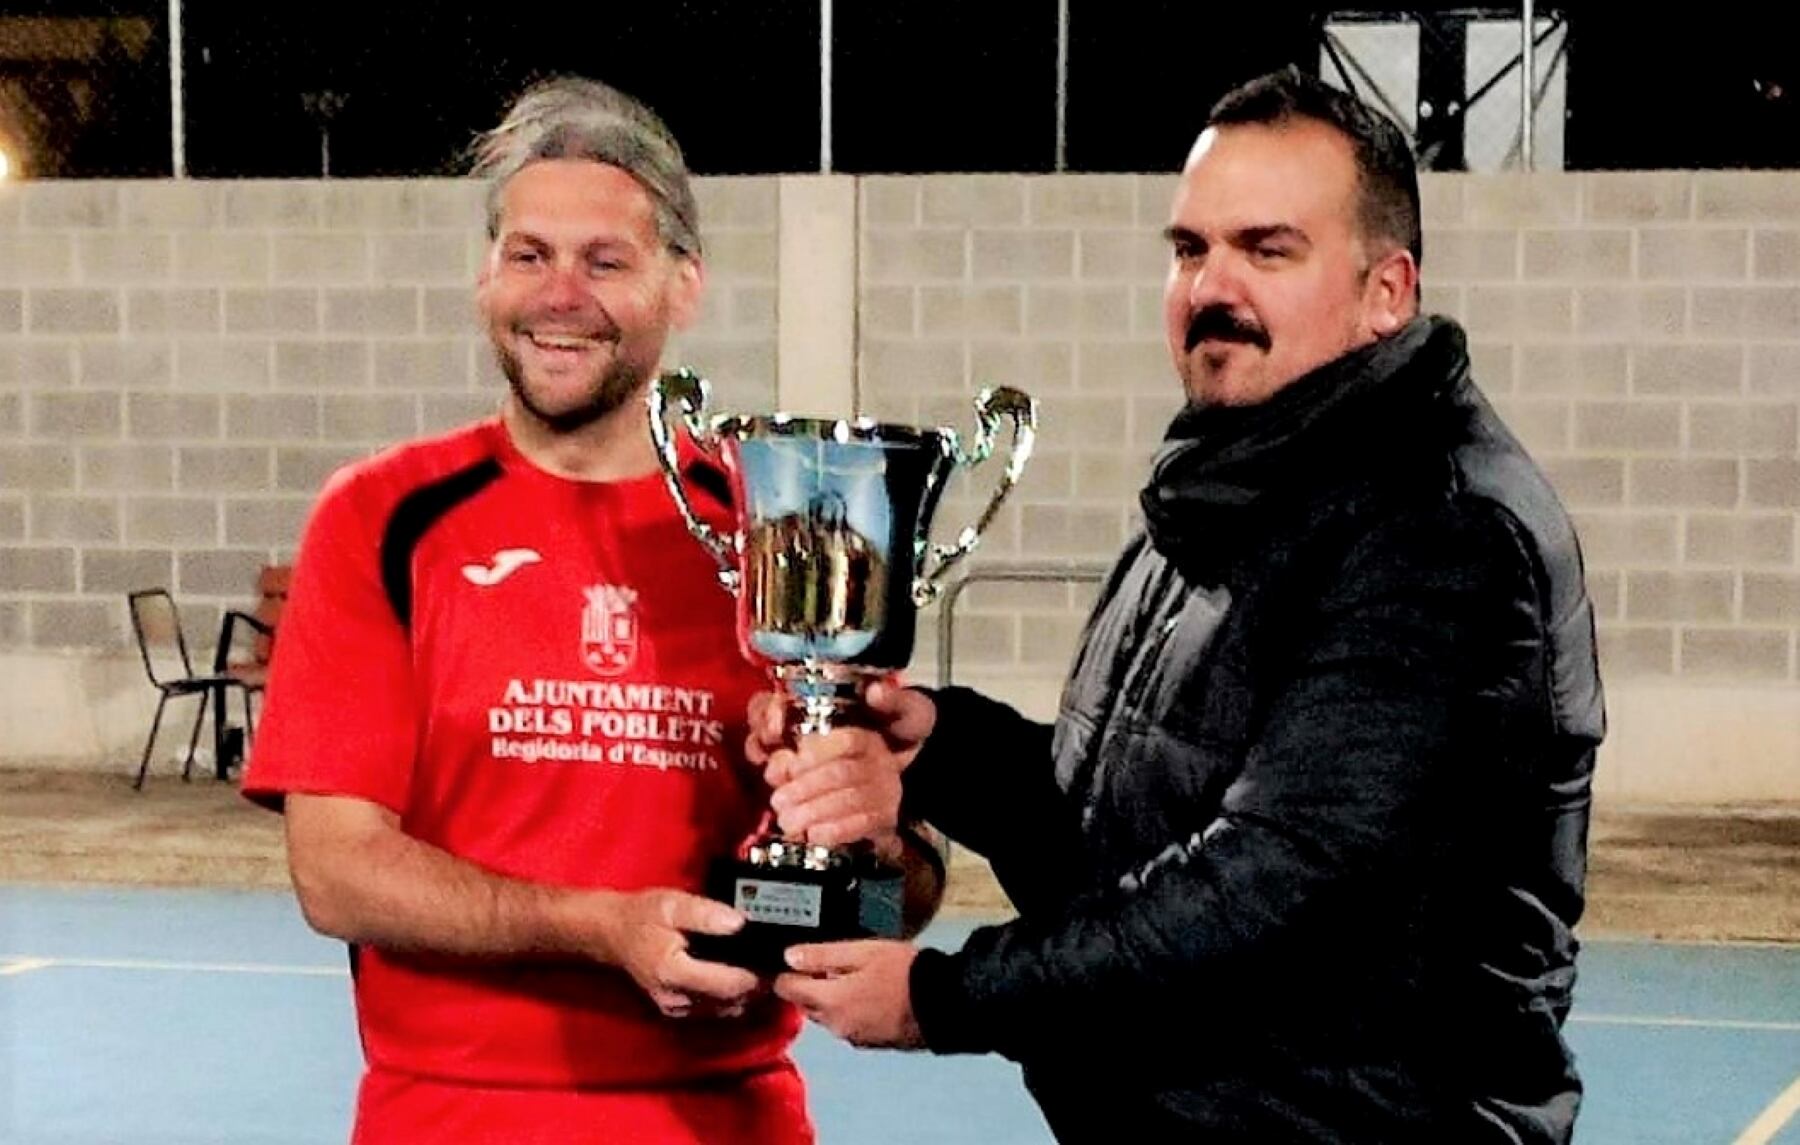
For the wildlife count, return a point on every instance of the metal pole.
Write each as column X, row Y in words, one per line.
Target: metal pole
column 177, row 134
column 825, row 86
column 1062, row 85
column 1527, row 79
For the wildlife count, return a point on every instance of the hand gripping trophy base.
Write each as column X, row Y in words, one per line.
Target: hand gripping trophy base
column 791, row 891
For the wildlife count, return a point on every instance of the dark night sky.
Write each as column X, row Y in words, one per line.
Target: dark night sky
column 920, row 85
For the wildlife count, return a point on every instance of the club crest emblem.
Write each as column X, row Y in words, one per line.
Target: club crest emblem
column 609, row 629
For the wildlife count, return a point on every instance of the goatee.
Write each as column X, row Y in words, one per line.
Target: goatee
column 616, row 385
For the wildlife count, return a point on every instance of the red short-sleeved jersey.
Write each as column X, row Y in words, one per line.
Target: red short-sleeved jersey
column 537, row 675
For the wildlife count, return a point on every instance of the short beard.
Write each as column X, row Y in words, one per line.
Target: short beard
column 617, row 384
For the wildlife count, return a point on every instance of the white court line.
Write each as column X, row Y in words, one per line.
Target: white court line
column 1773, row 1119
column 182, row 967
column 1729, row 943
column 17, row 964
column 20, row 964
column 1684, row 1023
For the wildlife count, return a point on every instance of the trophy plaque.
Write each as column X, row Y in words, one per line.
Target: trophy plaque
column 830, row 561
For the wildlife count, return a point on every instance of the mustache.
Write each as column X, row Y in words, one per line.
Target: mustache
column 1220, row 323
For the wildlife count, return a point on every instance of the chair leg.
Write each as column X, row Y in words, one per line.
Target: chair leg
column 187, row 767
column 144, row 764
column 236, row 740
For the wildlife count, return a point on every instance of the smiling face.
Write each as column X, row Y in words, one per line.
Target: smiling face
column 579, row 292
column 1270, row 276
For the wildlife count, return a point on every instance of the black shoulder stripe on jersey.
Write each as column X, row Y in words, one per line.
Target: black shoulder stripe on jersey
column 419, row 510
column 711, row 479
column 413, row 517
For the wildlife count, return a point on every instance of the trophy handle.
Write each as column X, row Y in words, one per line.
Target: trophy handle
column 990, row 406
column 690, row 393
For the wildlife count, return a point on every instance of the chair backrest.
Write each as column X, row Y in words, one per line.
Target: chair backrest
column 271, row 595
column 157, row 623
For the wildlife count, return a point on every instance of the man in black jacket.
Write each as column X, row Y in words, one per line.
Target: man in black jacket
column 1302, row 856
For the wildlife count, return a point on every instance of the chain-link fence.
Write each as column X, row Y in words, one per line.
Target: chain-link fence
column 114, row 88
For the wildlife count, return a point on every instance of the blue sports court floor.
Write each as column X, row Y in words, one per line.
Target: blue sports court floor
column 168, row 1017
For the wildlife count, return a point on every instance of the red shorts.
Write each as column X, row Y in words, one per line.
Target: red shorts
column 765, row 1108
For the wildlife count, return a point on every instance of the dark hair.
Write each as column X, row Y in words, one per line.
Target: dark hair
column 1387, row 178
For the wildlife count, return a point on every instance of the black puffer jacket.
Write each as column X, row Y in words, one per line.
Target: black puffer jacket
column 1308, row 871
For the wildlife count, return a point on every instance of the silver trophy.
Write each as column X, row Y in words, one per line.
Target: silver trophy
column 830, row 562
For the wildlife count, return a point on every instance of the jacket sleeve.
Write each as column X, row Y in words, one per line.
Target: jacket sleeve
column 985, row 779
column 1427, row 635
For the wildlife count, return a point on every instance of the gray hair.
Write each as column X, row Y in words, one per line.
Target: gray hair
column 569, row 117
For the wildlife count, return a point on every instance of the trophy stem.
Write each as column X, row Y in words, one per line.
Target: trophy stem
column 818, row 696
column 822, row 695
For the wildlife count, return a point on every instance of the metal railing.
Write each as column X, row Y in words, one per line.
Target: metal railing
column 1041, row 572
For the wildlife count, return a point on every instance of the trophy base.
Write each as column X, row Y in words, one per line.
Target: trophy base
column 855, row 896
column 791, row 892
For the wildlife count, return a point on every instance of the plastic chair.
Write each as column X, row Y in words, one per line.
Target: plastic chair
column 157, row 623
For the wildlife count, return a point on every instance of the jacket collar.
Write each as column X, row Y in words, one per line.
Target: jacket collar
column 1221, row 469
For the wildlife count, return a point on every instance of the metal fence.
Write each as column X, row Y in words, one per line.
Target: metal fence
column 1064, row 572
column 113, row 88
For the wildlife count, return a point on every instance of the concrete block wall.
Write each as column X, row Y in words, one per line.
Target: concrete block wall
column 180, row 364
column 1052, row 285
column 1641, row 331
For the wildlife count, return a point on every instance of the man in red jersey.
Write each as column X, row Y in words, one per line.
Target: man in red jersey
column 506, row 715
